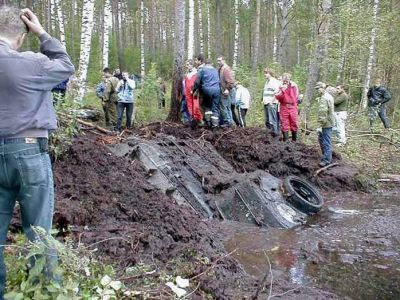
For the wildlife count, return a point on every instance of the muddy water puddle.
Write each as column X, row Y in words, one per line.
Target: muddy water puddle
column 352, row 248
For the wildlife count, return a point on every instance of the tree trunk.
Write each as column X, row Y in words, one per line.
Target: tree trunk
column 201, row 35
column 86, row 38
column 322, row 37
column 107, row 25
column 284, row 35
column 117, row 27
column 60, row 18
column 219, row 34
column 275, row 38
column 208, row 30
column 372, row 54
column 190, row 45
column 142, row 60
column 179, row 53
column 256, row 46
column 236, row 40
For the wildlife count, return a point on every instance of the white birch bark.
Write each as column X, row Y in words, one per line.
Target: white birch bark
column 190, row 45
column 52, row 16
column 372, row 54
column 106, row 29
column 201, row 35
column 208, row 30
column 86, row 38
column 60, row 18
column 275, row 39
column 142, row 60
column 236, row 39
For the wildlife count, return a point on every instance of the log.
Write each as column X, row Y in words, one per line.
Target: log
column 99, row 128
column 325, row 168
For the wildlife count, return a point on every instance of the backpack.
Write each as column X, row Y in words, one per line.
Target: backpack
column 101, row 87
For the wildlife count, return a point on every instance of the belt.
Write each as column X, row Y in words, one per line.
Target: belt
column 20, row 140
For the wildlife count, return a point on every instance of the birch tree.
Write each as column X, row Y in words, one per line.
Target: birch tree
column 275, row 38
column 86, row 38
column 208, row 30
column 142, row 59
column 322, row 36
column 190, row 44
column 179, row 52
column 256, row 36
column 107, row 25
column 60, row 18
column 236, row 39
column 201, row 35
column 372, row 54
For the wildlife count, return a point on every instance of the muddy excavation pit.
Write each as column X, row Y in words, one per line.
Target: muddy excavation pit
column 139, row 203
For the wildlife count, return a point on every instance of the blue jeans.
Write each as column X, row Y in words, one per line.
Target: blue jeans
column 121, row 106
column 226, row 111
column 325, row 142
column 272, row 117
column 26, row 174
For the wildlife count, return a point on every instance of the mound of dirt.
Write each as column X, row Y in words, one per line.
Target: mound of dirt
column 252, row 148
column 106, row 201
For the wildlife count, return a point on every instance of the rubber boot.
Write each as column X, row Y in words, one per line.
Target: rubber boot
column 285, row 136
column 294, row 136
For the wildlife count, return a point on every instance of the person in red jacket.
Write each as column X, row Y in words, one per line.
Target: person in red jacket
column 192, row 100
column 287, row 97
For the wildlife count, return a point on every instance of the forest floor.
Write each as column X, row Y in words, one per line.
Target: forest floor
column 106, row 200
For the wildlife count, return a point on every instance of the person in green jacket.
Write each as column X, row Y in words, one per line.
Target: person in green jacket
column 110, row 98
column 326, row 121
column 341, row 103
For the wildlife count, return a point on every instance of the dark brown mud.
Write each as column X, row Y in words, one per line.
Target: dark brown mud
column 105, row 201
column 253, row 148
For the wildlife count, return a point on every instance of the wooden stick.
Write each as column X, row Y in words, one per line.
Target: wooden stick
column 101, row 129
column 388, row 140
column 325, row 168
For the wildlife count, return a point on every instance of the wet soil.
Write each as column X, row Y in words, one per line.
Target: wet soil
column 351, row 248
column 105, row 201
column 253, row 148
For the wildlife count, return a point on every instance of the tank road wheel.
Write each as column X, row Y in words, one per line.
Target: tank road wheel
column 302, row 195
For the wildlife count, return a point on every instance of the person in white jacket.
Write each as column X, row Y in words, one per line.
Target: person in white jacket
column 126, row 97
column 271, row 104
column 243, row 99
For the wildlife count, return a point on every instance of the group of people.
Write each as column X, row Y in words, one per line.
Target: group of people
column 212, row 97
column 117, row 93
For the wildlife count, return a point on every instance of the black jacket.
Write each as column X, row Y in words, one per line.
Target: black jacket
column 378, row 95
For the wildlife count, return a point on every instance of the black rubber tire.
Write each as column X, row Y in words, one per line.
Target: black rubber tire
column 302, row 195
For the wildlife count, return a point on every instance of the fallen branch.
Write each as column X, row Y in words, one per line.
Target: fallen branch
column 214, row 264
column 264, row 280
column 287, row 292
column 389, row 178
column 325, row 168
column 223, row 134
column 388, row 140
column 101, row 129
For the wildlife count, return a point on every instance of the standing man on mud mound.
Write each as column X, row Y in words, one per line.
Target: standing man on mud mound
column 192, row 100
column 341, row 103
column 110, row 98
column 271, row 88
column 287, row 96
column 208, row 83
column 378, row 95
column 126, row 97
column 326, row 120
column 227, row 80
column 26, row 117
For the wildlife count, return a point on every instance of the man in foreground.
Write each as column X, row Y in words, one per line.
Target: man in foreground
column 26, row 116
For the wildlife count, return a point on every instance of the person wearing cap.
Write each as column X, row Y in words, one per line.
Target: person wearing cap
column 341, row 103
column 326, row 121
column 287, row 96
column 26, row 117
